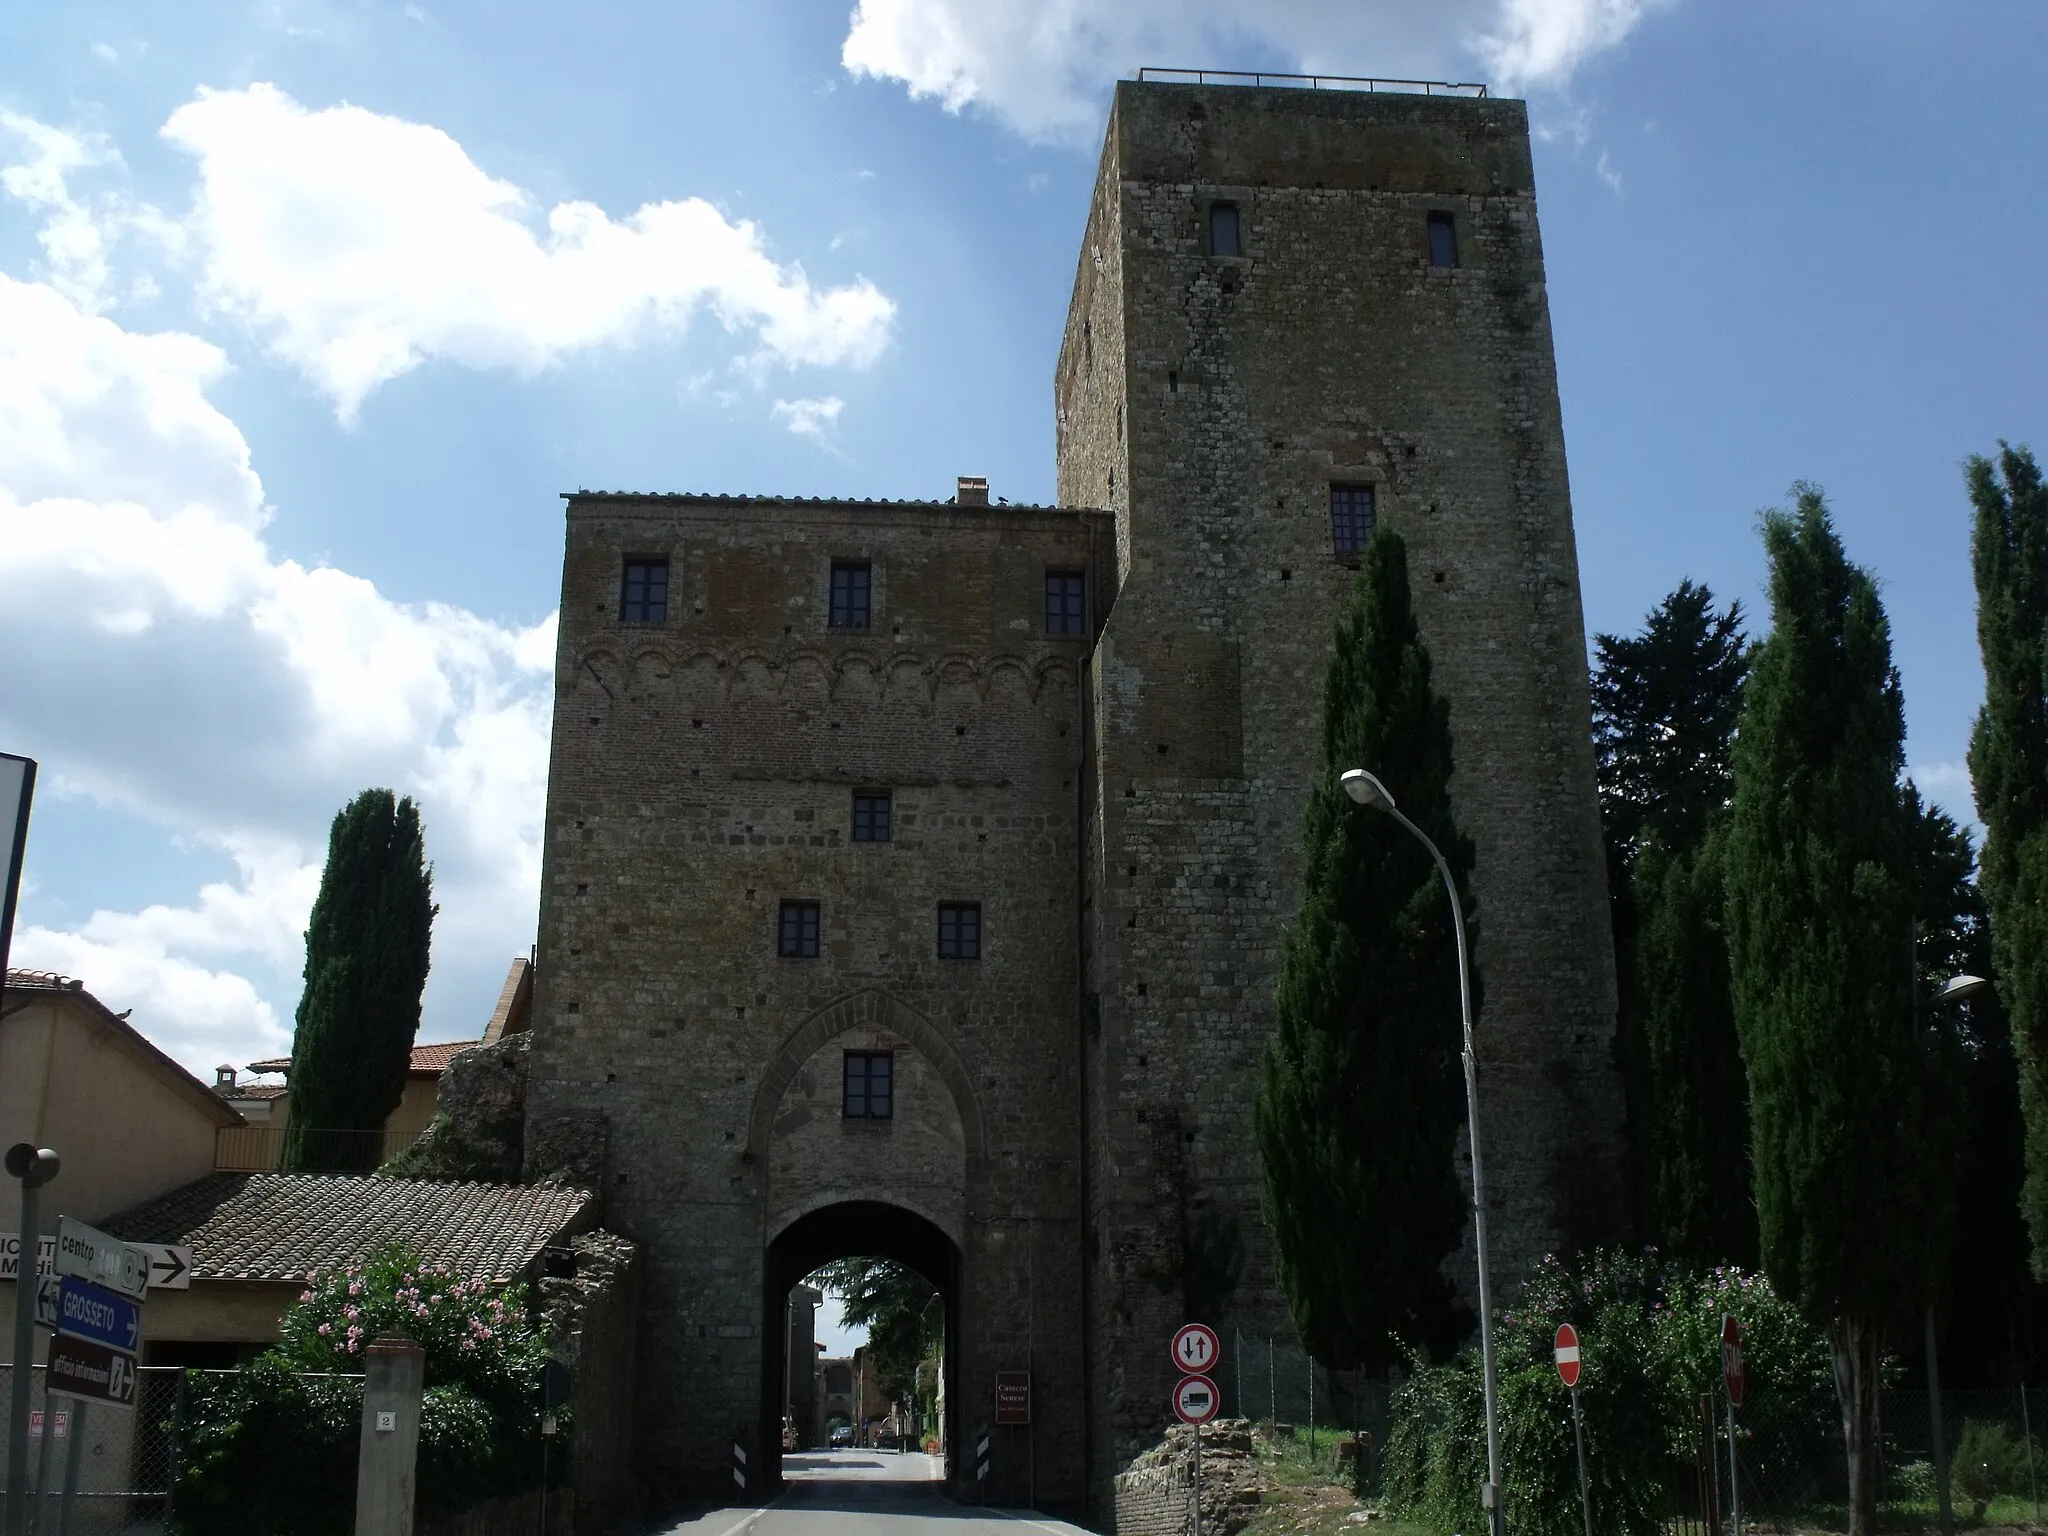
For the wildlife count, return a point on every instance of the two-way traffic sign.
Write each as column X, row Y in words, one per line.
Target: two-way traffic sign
column 1196, row 1349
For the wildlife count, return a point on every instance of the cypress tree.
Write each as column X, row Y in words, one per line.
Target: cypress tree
column 1665, row 705
column 1357, row 1123
column 1852, row 1194
column 366, row 966
column 2009, row 771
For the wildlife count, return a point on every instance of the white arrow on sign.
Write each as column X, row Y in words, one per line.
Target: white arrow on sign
column 48, row 1289
column 170, row 1267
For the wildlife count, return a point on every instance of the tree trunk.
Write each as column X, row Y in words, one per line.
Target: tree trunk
column 1855, row 1341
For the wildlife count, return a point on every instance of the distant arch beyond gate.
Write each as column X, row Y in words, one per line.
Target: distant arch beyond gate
column 853, row 1228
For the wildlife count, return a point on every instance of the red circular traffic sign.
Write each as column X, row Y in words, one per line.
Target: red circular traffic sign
column 1195, row 1400
column 1734, row 1374
column 1195, row 1349
column 1567, row 1354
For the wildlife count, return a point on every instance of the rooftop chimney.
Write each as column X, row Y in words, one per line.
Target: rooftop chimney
column 223, row 1078
column 971, row 491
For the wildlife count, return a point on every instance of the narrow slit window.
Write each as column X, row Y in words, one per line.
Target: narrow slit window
column 1351, row 518
column 798, row 935
column 959, row 930
column 871, row 816
column 1223, row 239
column 1443, row 240
column 850, row 583
column 1065, row 613
column 643, row 591
column 869, row 1085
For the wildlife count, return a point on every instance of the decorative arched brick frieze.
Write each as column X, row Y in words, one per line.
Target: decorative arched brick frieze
column 867, row 1007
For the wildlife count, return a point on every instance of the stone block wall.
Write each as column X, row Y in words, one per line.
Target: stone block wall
column 703, row 773
column 1226, row 394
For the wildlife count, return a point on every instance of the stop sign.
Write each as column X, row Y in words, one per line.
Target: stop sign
column 1733, row 1373
column 1568, row 1354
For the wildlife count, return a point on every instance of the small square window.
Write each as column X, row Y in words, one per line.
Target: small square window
column 959, row 930
column 1223, row 230
column 871, row 816
column 1443, row 240
column 849, row 594
column 798, row 935
column 1064, row 613
column 869, row 1091
column 643, row 592
column 1351, row 518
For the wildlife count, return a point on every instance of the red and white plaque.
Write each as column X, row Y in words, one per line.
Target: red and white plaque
column 1196, row 1349
column 1195, row 1400
column 1568, row 1354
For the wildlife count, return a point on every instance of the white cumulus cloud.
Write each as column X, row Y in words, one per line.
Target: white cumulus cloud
column 808, row 418
column 359, row 246
column 162, row 658
column 1043, row 66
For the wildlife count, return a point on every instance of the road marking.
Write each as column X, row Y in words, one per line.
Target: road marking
column 754, row 1514
column 1037, row 1525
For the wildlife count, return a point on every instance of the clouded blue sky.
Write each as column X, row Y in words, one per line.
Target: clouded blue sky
column 308, row 311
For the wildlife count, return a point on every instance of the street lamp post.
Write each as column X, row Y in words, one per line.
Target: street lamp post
column 34, row 1167
column 1372, row 794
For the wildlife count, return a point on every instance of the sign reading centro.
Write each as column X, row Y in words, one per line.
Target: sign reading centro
column 92, row 1255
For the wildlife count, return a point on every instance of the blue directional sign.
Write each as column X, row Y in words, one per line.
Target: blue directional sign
column 88, row 1311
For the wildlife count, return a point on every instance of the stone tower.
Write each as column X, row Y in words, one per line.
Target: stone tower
column 1296, row 311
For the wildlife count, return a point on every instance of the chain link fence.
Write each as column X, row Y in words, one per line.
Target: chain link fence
column 1790, row 1468
column 126, row 1458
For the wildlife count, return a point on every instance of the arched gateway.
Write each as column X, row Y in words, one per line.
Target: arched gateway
column 997, row 806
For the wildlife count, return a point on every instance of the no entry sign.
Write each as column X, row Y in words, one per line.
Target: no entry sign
column 1195, row 1400
column 1568, row 1354
column 1734, row 1374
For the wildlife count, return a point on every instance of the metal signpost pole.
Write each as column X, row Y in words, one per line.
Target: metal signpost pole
column 1197, row 1531
column 1734, row 1379
column 1585, row 1485
column 71, row 1460
column 34, row 1168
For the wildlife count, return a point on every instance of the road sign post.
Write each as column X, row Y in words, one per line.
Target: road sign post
column 34, row 1167
column 1734, row 1377
column 1195, row 1401
column 1567, row 1348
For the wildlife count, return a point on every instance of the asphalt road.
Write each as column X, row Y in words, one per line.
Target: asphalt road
column 867, row 1493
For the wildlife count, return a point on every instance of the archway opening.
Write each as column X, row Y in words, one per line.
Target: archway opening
column 854, row 1229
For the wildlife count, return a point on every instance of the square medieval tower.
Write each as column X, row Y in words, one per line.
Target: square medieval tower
column 1298, row 311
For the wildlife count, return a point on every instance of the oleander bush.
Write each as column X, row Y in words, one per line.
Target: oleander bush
column 272, row 1447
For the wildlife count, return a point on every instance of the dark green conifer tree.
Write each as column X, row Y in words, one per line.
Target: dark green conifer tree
column 366, row 966
column 2009, row 771
column 1665, row 705
column 1357, row 1124
column 1850, row 1157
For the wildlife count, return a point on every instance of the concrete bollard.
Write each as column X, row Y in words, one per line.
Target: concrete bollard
column 385, row 1469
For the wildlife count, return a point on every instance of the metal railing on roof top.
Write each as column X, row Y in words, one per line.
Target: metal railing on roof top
column 1468, row 88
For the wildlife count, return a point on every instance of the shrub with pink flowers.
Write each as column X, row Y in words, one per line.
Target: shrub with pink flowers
column 300, row 1404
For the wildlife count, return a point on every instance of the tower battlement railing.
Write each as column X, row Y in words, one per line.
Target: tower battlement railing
column 1469, row 88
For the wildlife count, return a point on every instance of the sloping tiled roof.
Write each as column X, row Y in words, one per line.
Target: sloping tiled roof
column 282, row 1226
column 427, row 1060
column 254, row 1091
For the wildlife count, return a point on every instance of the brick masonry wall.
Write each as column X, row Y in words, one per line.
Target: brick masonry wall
column 703, row 771
column 1225, row 396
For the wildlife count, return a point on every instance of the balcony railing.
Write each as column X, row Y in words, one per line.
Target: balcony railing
column 261, row 1149
column 1471, row 88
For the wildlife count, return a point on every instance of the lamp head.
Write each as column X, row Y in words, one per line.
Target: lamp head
column 1366, row 790
column 1956, row 988
column 32, row 1166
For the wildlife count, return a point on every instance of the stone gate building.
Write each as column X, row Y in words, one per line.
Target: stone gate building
column 915, row 871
